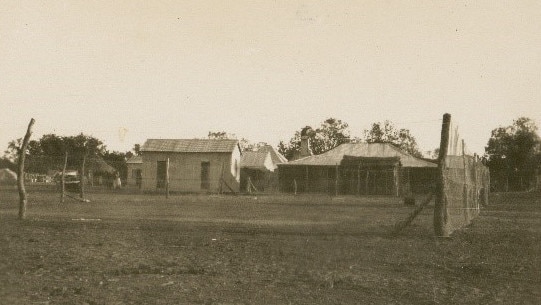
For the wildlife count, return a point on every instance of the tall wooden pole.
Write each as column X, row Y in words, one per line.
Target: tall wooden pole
column 441, row 215
column 82, row 178
column 20, row 171
column 167, row 179
column 467, row 211
column 476, row 190
column 64, row 177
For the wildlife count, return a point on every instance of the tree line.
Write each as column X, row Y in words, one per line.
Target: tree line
column 513, row 153
column 332, row 132
column 48, row 153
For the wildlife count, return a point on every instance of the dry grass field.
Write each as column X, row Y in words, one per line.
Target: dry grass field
column 144, row 249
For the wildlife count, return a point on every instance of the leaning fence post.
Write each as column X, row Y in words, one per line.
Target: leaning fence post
column 20, row 171
column 295, row 186
column 440, row 206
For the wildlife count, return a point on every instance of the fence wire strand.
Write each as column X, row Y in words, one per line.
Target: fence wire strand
column 466, row 187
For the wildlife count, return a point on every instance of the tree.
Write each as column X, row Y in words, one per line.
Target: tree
column 137, row 149
column 12, row 152
column 386, row 132
column 245, row 144
column 6, row 163
column 513, row 153
column 118, row 161
column 433, row 154
column 48, row 152
column 221, row 135
column 329, row 135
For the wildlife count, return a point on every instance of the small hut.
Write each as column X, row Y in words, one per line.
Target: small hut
column 256, row 170
column 135, row 171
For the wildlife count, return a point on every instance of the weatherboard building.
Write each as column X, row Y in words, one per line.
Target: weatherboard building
column 191, row 165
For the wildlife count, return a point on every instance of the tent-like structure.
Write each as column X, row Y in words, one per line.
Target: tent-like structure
column 7, row 177
column 98, row 165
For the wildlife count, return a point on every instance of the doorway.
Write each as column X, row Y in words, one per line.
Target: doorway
column 205, row 175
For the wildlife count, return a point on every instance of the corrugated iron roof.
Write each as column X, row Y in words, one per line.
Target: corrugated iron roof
column 135, row 160
column 276, row 157
column 370, row 161
column 190, row 145
column 335, row 155
column 254, row 159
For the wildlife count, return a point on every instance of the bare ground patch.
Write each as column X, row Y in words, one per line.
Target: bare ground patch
column 284, row 250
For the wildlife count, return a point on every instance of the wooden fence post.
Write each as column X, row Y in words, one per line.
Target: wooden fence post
column 336, row 181
column 221, row 179
column 440, row 206
column 20, row 171
column 64, row 177
column 167, row 179
column 306, row 181
column 465, row 198
column 359, row 179
column 366, row 192
column 476, row 191
column 82, row 178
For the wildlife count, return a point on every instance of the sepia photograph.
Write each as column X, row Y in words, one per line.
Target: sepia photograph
column 270, row 152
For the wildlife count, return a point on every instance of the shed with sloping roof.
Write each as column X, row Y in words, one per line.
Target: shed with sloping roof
column 135, row 171
column 192, row 165
column 359, row 169
column 276, row 157
column 256, row 171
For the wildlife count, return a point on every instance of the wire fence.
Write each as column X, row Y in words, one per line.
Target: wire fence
column 463, row 183
column 345, row 179
column 466, row 188
column 342, row 180
column 356, row 180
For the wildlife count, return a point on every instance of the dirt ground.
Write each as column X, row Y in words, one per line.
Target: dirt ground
column 205, row 249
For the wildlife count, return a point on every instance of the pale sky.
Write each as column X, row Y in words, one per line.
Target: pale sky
column 125, row 71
